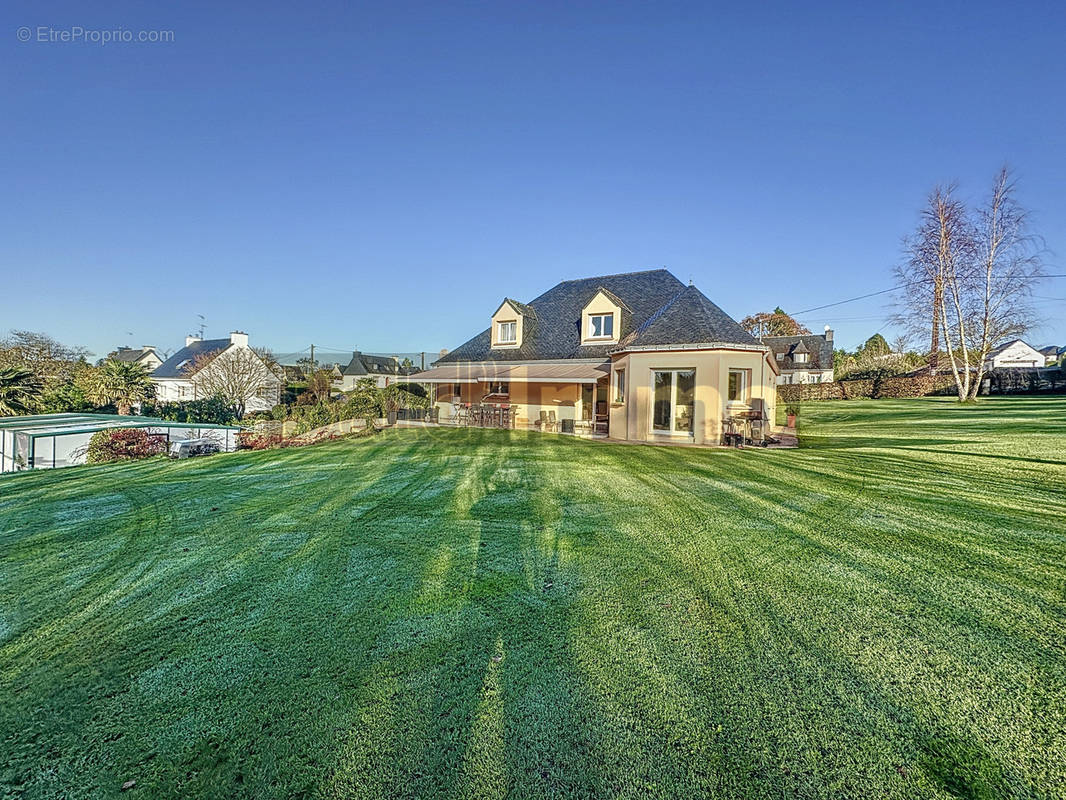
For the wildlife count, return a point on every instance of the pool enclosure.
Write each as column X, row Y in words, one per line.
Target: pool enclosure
column 44, row 441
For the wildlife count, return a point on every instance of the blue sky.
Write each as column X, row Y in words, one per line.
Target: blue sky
column 380, row 176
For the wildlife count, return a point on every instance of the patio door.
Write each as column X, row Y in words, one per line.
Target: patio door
column 673, row 401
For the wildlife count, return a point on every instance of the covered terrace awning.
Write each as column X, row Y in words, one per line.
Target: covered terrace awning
column 553, row 372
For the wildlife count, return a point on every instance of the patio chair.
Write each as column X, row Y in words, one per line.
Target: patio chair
column 731, row 436
column 542, row 423
column 551, row 419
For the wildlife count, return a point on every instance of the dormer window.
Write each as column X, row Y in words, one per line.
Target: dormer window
column 507, row 332
column 799, row 358
column 601, row 326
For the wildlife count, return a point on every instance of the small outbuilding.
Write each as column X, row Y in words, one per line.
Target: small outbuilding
column 44, row 441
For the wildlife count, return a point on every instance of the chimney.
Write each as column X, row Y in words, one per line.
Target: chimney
column 146, row 347
column 239, row 338
column 828, row 334
column 190, row 339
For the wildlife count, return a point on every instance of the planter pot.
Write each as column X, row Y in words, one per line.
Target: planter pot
column 791, row 418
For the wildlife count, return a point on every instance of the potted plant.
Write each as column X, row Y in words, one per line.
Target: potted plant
column 791, row 412
column 390, row 402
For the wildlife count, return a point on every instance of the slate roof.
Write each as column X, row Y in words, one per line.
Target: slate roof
column 689, row 318
column 130, row 355
column 178, row 365
column 818, row 347
column 657, row 308
column 363, row 364
column 521, row 308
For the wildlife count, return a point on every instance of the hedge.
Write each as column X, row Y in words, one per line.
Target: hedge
column 866, row 388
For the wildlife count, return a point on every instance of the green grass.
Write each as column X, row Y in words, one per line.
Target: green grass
column 449, row 613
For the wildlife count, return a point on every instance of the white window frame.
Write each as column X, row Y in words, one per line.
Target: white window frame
column 514, row 331
column 745, row 386
column 620, row 385
column 799, row 358
column 604, row 337
column 673, row 404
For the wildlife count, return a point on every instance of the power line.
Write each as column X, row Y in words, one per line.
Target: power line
column 849, row 300
column 884, row 291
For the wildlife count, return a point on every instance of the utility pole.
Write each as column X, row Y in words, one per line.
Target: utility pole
column 312, row 360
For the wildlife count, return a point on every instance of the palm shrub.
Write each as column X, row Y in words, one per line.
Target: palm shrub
column 19, row 390
column 119, row 382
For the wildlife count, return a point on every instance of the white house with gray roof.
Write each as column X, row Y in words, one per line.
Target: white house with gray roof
column 1014, row 354
column 804, row 358
column 176, row 379
column 147, row 356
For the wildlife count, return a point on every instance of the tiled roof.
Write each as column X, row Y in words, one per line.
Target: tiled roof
column 642, row 296
column 817, row 345
column 179, row 364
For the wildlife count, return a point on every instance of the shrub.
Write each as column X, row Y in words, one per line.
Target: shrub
column 250, row 440
column 124, row 444
column 213, row 410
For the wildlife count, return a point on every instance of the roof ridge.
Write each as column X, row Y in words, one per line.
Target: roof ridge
column 619, row 275
column 658, row 314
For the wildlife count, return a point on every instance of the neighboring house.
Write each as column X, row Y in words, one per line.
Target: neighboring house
column 641, row 353
column 1013, row 355
column 147, row 356
column 294, row 374
column 383, row 369
column 176, row 379
column 803, row 359
column 1052, row 355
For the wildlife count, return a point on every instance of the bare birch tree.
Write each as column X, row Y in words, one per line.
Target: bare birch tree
column 234, row 375
column 969, row 277
column 1010, row 264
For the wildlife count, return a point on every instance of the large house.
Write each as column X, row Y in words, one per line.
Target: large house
column 203, row 366
column 652, row 358
column 1014, row 354
column 147, row 356
column 803, row 359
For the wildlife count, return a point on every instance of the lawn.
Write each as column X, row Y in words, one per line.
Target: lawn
column 464, row 613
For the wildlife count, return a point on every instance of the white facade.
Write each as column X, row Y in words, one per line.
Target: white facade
column 264, row 397
column 805, row 376
column 1015, row 355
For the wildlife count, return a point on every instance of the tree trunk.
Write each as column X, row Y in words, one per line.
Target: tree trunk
column 934, row 346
